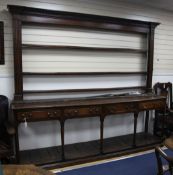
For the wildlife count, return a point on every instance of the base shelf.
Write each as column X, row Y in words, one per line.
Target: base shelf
column 79, row 152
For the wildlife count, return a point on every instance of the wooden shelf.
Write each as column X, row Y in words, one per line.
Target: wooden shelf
column 81, row 73
column 63, row 47
column 80, row 151
column 87, row 149
column 80, row 90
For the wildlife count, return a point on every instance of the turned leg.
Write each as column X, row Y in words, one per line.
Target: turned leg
column 159, row 162
column 146, row 121
column 101, row 134
column 135, row 127
column 17, row 156
column 62, row 139
column 155, row 123
column 163, row 122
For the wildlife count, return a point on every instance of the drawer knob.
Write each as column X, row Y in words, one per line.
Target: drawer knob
column 127, row 107
column 50, row 114
column 145, row 106
column 97, row 110
column 91, row 110
column 112, row 111
column 26, row 124
column 26, row 115
column 75, row 111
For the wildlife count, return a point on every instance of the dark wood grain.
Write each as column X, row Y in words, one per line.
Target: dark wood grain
column 100, row 106
column 28, row 15
column 79, row 151
column 102, row 117
column 146, row 101
column 83, row 90
column 38, row 16
column 80, row 73
column 150, row 58
column 17, row 49
column 2, row 59
column 70, row 108
column 24, row 169
column 169, row 142
column 135, row 128
column 62, row 139
column 83, row 48
column 164, row 125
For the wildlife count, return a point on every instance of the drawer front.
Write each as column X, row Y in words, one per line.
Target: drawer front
column 73, row 112
column 120, row 108
column 38, row 115
column 159, row 104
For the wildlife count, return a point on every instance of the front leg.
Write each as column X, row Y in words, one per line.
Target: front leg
column 135, row 128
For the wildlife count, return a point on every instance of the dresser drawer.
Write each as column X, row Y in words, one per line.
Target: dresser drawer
column 148, row 105
column 38, row 115
column 120, row 108
column 82, row 111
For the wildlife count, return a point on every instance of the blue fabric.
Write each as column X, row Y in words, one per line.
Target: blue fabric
column 138, row 165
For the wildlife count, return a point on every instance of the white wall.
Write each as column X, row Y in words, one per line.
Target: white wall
column 45, row 134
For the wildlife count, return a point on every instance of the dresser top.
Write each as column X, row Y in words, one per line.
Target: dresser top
column 84, row 101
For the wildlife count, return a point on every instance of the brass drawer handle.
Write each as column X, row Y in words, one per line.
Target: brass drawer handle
column 26, row 115
column 145, row 106
column 56, row 114
column 50, row 114
column 23, row 114
column 127, row 107
column 96, row 110
column 76, row 111
column 112, row 110
column 91, row 110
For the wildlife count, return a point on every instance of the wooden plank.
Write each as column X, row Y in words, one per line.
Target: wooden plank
column 24, row 169
column 39, row 17
column 117, row 144
column 25, row 157
column 80, row 73
column 99, row 157
column 101, row 49
column 2, row 55
column 82, row 150
column 81, row 90
column 92, row 100
column 146, row 139
column 54, row 154
column 86, row 150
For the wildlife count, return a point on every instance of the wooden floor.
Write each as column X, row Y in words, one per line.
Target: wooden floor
column 89, row 149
